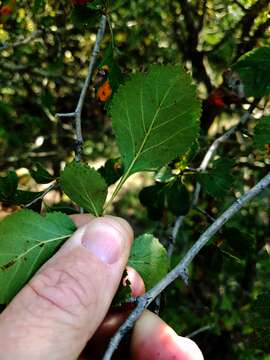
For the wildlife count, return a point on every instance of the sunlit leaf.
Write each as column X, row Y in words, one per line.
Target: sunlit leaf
column 85, row 186
column 155, row 117
column 27, row 240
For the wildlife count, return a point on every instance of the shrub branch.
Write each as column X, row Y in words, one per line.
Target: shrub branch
column 77, row 114
column 144, row 301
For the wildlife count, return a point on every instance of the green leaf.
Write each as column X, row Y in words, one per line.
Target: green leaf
column 27, row 240
column 155, row 117
column 262, row 133
column 24, row 197
column 111, row 171
column 254, row 70
column 149, row 258
column 83, row 17
column 63, row 208
column 217, row 180
column 153, row 198
column 41, row 175
column 85, row 186
column 178, row 200
column 95, row 5
column 164, row 175
column 123, row 292
column 38, row 4
column 8, row 186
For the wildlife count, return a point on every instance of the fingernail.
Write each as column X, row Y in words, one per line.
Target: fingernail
column 103, row 240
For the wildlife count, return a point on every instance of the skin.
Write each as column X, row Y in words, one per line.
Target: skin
column 65, row 307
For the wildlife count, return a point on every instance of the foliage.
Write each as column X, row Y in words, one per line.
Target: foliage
column 45, row 47
column 147, row 252
column 152, row 110
column 85, row 186
column 27, row 241
column 253, row 68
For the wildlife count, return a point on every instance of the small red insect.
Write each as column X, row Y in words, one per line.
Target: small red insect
column 104, row 91
column 216, row 98
column 6, row 10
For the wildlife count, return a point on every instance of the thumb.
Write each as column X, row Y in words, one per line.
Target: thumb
column 61, row 307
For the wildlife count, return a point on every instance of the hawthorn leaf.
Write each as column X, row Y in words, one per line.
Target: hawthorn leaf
column 111, row 171
column 27, row 240
column 85, row 186
column 149, row 257
column 153, row 198
column 84, row 18
column 155, row 117
column 254, row 70
column 217, row 180
column 178, row 200
column 41, row 175
column 262, row 133
column 95, row 5
column 8, row 186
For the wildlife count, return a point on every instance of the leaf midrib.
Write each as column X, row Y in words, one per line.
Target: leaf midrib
column 149, row 130
column 129, row 170
column 32, row 248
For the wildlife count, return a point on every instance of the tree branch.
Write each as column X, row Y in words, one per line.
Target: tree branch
column 77, row 114
column 207, row 158
column 215, row 145
column 149, row 296
column 251, row 42
column 41, row 196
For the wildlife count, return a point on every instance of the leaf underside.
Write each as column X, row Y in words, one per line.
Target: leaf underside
column 155, row 117
column 27, row 240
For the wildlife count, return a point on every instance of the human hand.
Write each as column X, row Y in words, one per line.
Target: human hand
column 60, row 309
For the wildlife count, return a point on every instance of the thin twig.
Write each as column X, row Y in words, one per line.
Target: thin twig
column 204, row 213
column 208, row 156
column 200, row 330
column 215, row 145
column 41, row 196
column 77, row 114
column 148, row 297
column 177, row 225
column 72, row 114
